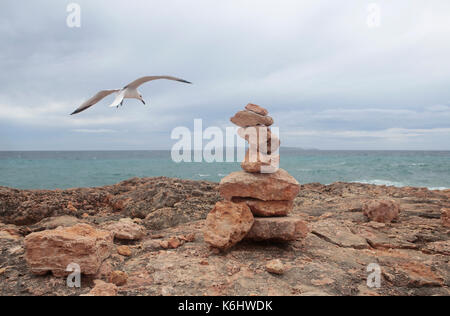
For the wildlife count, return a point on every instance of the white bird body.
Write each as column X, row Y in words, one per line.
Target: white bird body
column 128, row 92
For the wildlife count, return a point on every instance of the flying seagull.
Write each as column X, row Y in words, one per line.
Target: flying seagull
column 128, row 92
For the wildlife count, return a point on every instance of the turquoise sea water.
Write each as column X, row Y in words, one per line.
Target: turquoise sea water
column 51, row 170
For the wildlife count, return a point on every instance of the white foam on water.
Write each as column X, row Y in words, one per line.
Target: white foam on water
column 204, row 175
column 382, row 182
column 395, row 184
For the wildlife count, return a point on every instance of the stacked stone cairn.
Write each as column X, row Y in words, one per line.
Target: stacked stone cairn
column 259, row 199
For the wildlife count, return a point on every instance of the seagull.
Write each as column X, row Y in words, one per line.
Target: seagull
column 128, row 92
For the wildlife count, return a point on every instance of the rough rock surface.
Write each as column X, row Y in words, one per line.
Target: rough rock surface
column 281, row 229
column 267, row 208
column 248, row 118
column 413, row 253
column 445, row 217
column 257, row 109
column 118, row 278
column 103, row 289
column 382, row 211
column 278, row 186
column 54, row 250
column 227, row 224
column 174, row 201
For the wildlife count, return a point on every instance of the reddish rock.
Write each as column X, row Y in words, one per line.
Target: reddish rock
column 126, row 229
column 103, row 289
column 445, row 217
column 174, row 242
column 71, row 208
column 227, row 224
column 54, row 250
column 257, row 109
column 278, row 186
column 382, row 211
column 164, row 244
column 105, row 270
column 124, row 251
column 188, row 237
column 282, row 229
column 248, row 118
column 118, row 278
column 276, row 267
column 267, row 208
column 259, row 163
column 260, row 139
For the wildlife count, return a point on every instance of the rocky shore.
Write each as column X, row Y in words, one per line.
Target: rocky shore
column 146, row 237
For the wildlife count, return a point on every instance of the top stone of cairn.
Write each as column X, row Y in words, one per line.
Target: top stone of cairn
column 249, row 118
column 256, row 109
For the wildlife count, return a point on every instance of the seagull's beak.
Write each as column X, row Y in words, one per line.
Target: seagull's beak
column 143, row 101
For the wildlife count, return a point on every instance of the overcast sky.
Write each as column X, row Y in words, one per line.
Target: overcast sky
column 329, row 80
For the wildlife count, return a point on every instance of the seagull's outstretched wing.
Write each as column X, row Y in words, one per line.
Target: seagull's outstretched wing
column 95, row 99
column 135, row 84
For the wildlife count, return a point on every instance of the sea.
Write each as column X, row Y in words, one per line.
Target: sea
column 71, row 169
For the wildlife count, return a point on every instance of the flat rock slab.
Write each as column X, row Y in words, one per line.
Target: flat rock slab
column 227, row 224
column 278, row 186
column 248, row 118
column 54, row 250
column 267, row 208
column 281, row 229
column 339, row 234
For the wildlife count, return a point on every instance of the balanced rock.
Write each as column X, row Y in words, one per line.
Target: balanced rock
column 381, row 211
column 257, row 109
column 126, row 229
column 445, row 217
column 260, row 163
column 266, row 208
column 260, row 139
column 281, row 229
column 227, row 224
column 278, row 186
column 54, row 250
column 248, row 118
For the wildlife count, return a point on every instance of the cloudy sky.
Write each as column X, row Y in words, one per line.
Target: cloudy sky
column 331, row 77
